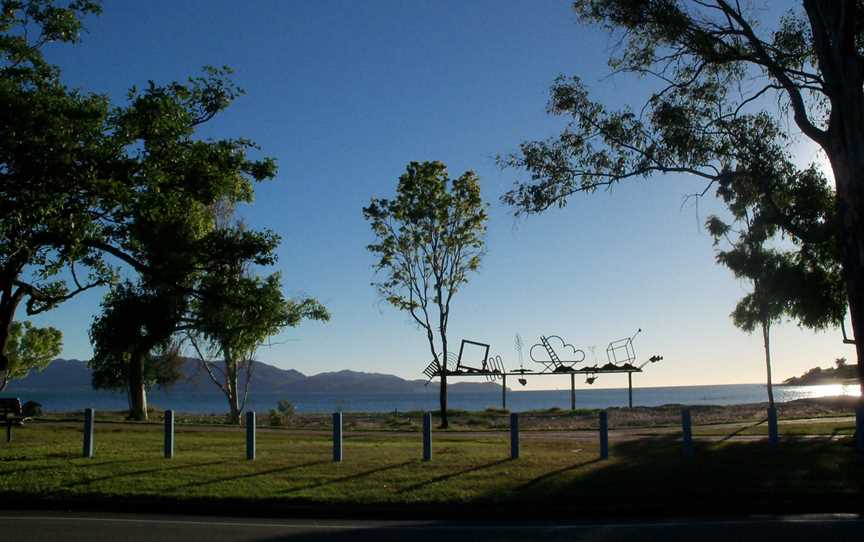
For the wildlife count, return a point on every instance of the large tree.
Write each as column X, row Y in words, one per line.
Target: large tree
column 428, row 239
column 55, row 157
column 132, row 343
column 720, row 74
column 168, row 219
column 236, row 311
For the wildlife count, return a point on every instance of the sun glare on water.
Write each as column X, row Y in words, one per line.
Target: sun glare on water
column 825, row 390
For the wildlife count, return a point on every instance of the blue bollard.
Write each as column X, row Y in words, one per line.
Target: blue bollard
column 604, row 435
column 859, row 428
column 337, row 437
column 250, row 436
column 686, row 428
column 514, row 436
column 773, row 436
column 89, row 427
column 427, row 436
column 169, row 434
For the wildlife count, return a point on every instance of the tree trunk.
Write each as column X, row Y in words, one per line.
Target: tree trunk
column 443, row 398
column 766, row 330
column 137, row 392
column 849, row 177
column 232, row 385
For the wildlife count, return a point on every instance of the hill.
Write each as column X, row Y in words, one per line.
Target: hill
column 842, row 374
column 65, row 374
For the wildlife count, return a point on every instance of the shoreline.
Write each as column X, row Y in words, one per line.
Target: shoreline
column 552, row 419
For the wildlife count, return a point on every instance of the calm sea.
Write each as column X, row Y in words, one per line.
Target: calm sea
column 517, row 401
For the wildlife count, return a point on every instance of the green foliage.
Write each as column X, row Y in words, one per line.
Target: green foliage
column 804, row 281
column 235, row 311
column 31, row 409
column 29, row 348
column 428, row 239
column 136, row 322
column 283, row 412
column 54, row 156
column 705, row 118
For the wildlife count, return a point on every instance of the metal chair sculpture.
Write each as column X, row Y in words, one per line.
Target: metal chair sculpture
column 492, row 367
column 553, row 361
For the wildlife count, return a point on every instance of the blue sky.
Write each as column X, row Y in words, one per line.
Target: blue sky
column 345, row 94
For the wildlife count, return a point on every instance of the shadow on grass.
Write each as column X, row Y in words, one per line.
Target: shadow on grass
column 550, row 475
column 452, row 475
column 654, row 475
column 249, row 475
column 348, row 478
column 742, row 429
column 83, row 464
column 144, row 471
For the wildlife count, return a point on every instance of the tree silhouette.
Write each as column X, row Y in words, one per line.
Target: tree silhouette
column 719, row 70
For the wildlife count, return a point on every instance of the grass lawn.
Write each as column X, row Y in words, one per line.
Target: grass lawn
column 44, row 462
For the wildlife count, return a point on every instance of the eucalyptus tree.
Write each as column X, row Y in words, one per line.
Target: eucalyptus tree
column 803, row 282
column 718, row 71
column 428, row 239
column 235, row 311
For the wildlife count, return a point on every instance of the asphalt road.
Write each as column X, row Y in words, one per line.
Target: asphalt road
column 58, row 526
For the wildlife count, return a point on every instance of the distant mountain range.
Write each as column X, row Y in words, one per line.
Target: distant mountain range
column 65, row 374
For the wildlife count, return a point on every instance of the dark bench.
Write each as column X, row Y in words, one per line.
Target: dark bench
column 11, row 414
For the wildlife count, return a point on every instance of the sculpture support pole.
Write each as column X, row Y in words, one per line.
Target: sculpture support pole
column 630, row 389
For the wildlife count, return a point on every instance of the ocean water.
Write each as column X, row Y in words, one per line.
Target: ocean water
column 517, row 401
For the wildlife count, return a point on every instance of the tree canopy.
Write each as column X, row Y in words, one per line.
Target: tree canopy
column 428, row 239
column 235, row 311
column 724, row 82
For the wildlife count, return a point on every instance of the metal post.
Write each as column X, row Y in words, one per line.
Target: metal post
column 686, row 428
column 604, row 435
column 514, row 436
column 427, row 436
column 337, row 437
column 250, row 436
column 504, row 391
column 169, row 434
column 630, row 389
column 773, row 437
column 859, row 428
column 572, row 391
column 89, row 427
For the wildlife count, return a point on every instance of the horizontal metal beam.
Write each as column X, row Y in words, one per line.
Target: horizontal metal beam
column 550, row 373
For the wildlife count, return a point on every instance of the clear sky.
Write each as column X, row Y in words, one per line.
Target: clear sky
column 345, row 94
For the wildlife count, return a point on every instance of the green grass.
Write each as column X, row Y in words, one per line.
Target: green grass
column 44, row 461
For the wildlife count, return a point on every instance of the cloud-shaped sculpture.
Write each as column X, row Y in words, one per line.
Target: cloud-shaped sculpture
column 553, row 345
